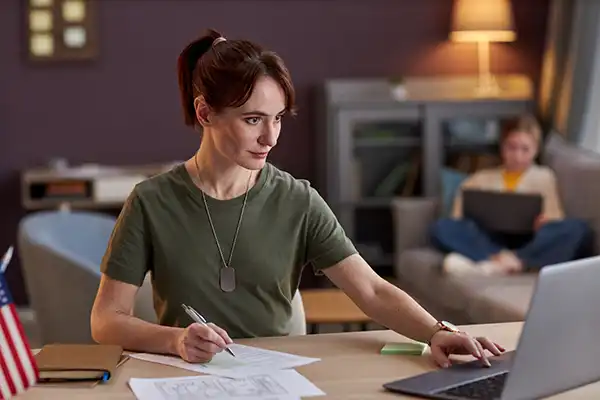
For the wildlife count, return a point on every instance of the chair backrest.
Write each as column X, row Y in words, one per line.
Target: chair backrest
column 144, row 302
column 297, row 324
column 60, row 254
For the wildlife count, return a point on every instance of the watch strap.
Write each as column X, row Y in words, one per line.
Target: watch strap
column 442, row 326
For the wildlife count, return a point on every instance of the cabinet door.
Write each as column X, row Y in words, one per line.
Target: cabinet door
column 370, row 142
column 377, row 159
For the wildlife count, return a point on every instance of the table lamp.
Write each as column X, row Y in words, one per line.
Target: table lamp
column 483, row 21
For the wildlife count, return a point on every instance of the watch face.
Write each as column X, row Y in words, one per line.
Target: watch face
column 450, row 326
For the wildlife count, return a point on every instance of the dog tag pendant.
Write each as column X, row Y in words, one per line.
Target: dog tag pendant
column 227, row 279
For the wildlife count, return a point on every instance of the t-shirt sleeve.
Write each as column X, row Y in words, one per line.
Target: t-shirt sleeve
column 127, row 257
column 327, row 243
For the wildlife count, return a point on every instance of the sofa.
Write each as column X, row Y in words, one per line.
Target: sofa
column 482, row 299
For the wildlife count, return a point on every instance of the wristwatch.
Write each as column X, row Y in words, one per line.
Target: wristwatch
column 443, row 326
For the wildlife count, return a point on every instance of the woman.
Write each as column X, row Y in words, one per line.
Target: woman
column 229, row 234
column 555, row 239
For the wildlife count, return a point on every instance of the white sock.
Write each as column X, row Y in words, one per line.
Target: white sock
column 488, row 267
column 455, row 263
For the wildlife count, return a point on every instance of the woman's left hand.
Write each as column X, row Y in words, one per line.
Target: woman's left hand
column 444, row 343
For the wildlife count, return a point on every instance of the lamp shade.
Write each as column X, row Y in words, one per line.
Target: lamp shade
column 482, row 20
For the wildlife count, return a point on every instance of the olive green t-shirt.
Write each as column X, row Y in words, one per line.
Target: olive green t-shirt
column 163, row 229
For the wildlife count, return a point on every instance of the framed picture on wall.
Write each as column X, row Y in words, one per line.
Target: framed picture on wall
column 61, row 30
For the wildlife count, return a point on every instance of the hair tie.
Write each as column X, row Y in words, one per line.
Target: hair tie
column 218, row 40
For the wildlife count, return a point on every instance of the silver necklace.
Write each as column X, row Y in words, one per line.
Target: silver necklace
column 227, row 272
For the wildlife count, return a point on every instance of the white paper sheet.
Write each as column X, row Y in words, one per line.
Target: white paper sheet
column 248, row 361
column 274, row 385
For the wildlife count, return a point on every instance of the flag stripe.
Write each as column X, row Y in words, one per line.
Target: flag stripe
column 4, row 390
column 18, row 368
column 7, row 387
column 22, row 346
column 12, row 373
column 7, row 323
column 28, row 354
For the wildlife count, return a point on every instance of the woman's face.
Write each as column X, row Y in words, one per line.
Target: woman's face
column 518, row 151
column 245, row 135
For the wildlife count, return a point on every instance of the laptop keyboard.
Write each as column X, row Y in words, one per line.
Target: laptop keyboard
column 488, row 388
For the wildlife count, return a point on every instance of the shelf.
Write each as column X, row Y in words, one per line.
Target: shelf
column 88, row 186
column 74, row 204
column 381, row 261
column 475, row 147
column 375, row 257
column 387, row 142
column 374, row 202
column 369, row 202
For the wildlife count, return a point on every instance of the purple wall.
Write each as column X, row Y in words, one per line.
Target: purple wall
column 124, row 107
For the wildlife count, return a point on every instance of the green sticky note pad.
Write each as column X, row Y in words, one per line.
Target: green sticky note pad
column 407, row 349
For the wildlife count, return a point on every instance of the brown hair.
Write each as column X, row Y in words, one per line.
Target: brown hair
column 526, row 123
column 225, row 71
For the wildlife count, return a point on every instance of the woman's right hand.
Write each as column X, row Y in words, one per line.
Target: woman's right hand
column 200, row 343
column 539, row 221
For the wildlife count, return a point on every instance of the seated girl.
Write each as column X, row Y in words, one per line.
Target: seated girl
column 554, row 239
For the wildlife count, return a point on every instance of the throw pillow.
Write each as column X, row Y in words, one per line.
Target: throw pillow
column 451, row 181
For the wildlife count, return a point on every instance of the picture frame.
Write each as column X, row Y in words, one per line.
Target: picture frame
column 61, row 30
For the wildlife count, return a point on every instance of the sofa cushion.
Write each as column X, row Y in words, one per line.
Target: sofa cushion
column 482, row 299
column 412, row 218
column 578, row 173
column 421, row 269
column 451, row 182
column 497, row 299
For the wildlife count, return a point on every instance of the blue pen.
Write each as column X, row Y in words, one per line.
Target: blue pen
column 195, row 315
column 6, row 259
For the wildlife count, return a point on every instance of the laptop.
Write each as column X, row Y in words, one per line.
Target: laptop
column 502, row 212
column 557, row 351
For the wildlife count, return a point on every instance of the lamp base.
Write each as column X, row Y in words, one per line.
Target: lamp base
column 487, row 87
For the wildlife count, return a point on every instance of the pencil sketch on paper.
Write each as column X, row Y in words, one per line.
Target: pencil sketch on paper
column 253, row 387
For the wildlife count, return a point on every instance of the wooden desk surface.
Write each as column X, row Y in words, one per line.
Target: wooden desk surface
column 350, row 367
column 324, row 306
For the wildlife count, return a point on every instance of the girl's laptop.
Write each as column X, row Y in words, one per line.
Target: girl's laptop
column 557, row 350
column 502, row 212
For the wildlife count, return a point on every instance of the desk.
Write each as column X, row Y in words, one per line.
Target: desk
column 350, row 367
column 331, row 306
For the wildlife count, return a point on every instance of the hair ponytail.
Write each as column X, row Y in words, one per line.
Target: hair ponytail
column 225, row 72
column 186, row 64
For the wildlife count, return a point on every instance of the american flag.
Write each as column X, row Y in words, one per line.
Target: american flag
column 18, row 370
